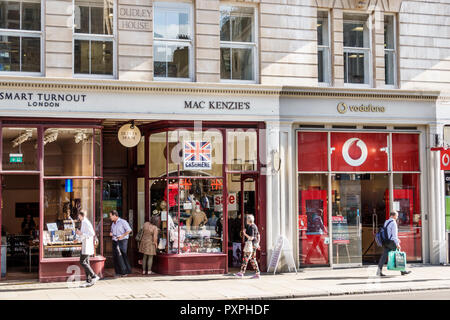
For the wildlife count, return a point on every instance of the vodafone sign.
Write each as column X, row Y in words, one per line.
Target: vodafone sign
column 445, row 159
column 359, row 151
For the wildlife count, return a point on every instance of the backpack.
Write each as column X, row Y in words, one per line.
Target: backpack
column 381, row 237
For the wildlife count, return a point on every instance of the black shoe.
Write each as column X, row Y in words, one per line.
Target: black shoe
column 380, row 274
column 404, row 273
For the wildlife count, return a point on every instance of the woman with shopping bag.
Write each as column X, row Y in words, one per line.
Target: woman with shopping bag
column 392, row 248
column 252, row 238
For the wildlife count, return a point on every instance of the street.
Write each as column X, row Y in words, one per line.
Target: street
column 414, row 295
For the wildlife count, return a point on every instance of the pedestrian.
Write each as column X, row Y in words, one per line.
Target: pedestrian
column 315, row 231
column 252, row 238
column 120, row 231
column 87, row 236
column 391, row 244
column 148, row 243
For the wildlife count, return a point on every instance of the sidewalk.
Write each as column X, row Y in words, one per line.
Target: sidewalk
column 308, row 283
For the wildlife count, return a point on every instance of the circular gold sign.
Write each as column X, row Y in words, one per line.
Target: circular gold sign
column 129, row 135
column 342, row 108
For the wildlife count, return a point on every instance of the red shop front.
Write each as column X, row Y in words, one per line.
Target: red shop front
column 348, row 182
column 50, row 170
column 189, row 172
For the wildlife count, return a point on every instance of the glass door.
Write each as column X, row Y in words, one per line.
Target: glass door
column 346, row 220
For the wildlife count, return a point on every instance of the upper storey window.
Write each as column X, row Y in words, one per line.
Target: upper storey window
column 20, row 36
column 173, row 41
column 390, row 52
column 356, row 49
column 323, row 47
column 94, row 37
column 237, row 43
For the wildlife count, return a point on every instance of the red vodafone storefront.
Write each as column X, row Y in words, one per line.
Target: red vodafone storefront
column 348, row 182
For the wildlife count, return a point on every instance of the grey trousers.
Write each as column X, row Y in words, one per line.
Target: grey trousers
column 84, row 261
column 390, row 246
column 147, row 262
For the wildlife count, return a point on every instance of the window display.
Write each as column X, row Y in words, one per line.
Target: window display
column 64, row 199
column 19, row 149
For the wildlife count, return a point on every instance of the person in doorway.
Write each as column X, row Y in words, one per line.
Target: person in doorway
column 315, row 231
column 147, row 245
column 87, row 235
column 28, row 225
column 391, row 244
column 120, row 231
column 252, row 238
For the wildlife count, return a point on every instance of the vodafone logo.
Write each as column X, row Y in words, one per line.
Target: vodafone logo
column 362, row 146
column 445, row 160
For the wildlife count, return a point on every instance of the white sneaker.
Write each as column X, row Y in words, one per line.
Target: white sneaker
column 95, row 279
column 86, row 285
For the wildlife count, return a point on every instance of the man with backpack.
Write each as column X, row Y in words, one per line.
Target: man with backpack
column 388, row 236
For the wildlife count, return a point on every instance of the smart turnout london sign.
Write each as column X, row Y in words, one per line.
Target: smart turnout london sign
column 39, row 99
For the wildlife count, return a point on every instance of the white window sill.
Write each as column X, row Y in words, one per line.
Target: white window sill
column 21, row 74
column 357, row 85
column 93, row 76
column 238, row 81
column 164, row 79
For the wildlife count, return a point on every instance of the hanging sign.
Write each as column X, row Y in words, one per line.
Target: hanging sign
column 352, row 152
column 197, row 155
column 232, row 202
column 129, row 135
column 15, row 157
column 445, row 159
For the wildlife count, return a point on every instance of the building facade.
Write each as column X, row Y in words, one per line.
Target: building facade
column 317, row 116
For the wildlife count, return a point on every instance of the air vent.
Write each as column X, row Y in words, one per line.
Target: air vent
column 312, row 126
column 405, row 128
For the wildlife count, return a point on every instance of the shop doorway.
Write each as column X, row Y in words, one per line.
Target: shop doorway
column 242, row 201
column 20, row 226
column 359, row 209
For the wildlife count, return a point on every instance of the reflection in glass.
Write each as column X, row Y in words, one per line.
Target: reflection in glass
column 10, row 15
column 313, row 219
column 19, row 149
column 93, row 57
column 354, row 67
column 242, row 150
column 172, row 23
column 171, row 61
column 31, row 54
column 68, row 152
column 236, row 24
column 239, row 62
column 9, row 53
column 31, row 15
column 94, row 17
column 61, row 210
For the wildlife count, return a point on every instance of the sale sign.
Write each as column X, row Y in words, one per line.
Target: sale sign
column 359, row 152
column 232, row 202
column 445, row 159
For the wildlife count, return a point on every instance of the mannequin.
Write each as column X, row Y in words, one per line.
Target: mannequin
column 197, row 219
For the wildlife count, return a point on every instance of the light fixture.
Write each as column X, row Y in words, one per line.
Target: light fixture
column 51, row 137
column 276, row 161
column 22, row 138
column 80, row 136
column 358, row 29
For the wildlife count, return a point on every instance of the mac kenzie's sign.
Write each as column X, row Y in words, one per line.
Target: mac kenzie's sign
column 217, row 105
column 52, row 100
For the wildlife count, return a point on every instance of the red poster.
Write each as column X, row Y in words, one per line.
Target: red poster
column 363, row 152
column 445, row 159
column 312, row 151
column 405, row 152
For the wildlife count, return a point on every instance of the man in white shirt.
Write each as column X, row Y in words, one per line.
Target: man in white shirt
column 391, row 244
column 87, row 236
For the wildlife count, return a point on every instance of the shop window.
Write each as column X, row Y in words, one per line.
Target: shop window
column 172, row 41
column 63, row 200
column 98, row 152
column 323, row 47
column 312, row 151
column 68, row 152
column 141, row 152
column 405, row 152
column 94, row 37
column 20, row 149
column 98, row 208
column 158, row 153
column 242, row 150
column 407, row 204
column 390, row 54
column 356, row 49
column 141, row 202
column 313, row 219
column 20, row 36
column 237, row 43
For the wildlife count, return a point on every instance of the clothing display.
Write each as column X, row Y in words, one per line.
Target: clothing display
column 149, row 239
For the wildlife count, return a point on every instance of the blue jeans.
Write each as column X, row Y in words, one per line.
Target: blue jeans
column 121, row 263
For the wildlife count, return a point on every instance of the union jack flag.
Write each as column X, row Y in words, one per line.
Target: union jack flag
column 197, row 155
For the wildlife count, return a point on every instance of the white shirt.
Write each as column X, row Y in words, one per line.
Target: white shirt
column 87, row 237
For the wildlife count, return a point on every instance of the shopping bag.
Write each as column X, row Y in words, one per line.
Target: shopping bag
column 397, row 261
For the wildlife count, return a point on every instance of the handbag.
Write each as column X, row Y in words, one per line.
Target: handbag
column 139, row 235
column 248, row 246
column 396, row 260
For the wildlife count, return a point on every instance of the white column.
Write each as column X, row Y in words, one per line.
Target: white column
column 436, row 216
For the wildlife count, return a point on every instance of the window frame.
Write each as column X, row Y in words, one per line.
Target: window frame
column 29, row 34
column 95, row 37
column 394, row 51
column 366, row 50
column 190, row 43
column 243, row 45
column 325, row 48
